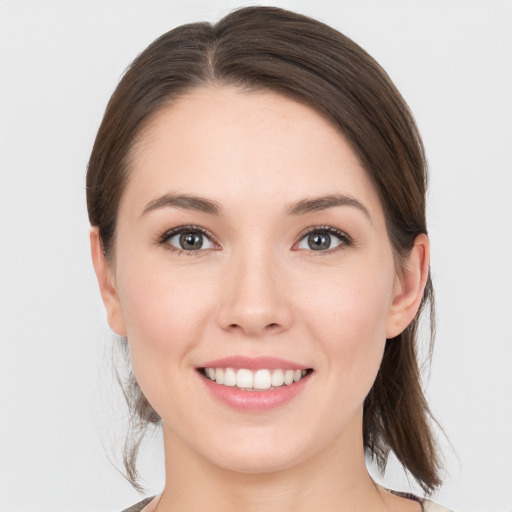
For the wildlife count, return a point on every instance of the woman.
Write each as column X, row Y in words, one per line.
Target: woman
column 257, row 199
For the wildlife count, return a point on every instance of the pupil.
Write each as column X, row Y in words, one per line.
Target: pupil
column 191, row 241
column 319, row 241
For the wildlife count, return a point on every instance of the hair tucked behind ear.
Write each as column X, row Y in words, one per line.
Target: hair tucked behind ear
column 269, row 48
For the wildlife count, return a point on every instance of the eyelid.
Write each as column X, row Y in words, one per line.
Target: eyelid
column 346, row 240
column 166, row 235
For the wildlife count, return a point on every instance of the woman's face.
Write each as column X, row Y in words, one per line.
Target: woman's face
column 249, row 237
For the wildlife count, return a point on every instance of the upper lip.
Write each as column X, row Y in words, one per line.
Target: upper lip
column 254, row 363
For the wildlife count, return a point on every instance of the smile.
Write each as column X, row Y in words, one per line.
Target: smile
column 254, row 380
column 254, row 384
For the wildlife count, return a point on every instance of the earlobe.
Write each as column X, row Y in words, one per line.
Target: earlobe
column 409, row 287
column 106, row 282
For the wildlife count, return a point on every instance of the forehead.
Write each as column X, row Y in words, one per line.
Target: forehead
column 244, row 148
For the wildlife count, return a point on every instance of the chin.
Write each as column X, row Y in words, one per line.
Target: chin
column 259, row 463
column 259, row 452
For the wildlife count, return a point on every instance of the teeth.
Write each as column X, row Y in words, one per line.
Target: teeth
column 277, row 378
column 288, row 377
column 229, row 377
column 244, row 378
column 262, row 379
column 258, row 380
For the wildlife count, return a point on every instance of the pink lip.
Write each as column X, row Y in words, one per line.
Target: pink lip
column 253, row 401
column 254, row 363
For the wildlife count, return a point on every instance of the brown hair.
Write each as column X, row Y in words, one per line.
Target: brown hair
column 273, row 49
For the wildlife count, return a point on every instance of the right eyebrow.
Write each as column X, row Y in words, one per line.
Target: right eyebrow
column 184, row 202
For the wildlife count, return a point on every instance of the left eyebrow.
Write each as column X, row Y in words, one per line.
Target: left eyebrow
column 315, row 204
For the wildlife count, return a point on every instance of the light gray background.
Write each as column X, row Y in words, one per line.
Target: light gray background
column 60, row 61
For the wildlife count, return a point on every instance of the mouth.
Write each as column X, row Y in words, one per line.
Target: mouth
column 254, row 384
column 262, row 379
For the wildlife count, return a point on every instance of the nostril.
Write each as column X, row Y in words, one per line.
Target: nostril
column 272, row 327
column 269, row 327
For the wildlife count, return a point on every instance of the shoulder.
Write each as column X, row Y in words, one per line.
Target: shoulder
column 138, row 506
column 430, row 506
column 426, row 504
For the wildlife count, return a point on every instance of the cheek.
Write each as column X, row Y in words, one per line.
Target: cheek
column 165, row 312
column 357, row 298
column 350, row 319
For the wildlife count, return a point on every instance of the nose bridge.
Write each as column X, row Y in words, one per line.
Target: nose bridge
column 253, row 298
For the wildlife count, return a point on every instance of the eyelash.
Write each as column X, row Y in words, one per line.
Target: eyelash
column 345, row 240
column 165, row 237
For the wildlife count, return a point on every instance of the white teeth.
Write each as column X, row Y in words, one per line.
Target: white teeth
column 258, row 380
column 288, row 377
column 277, row 378
column 262, row 379
column 229, row 377
column 244, row 378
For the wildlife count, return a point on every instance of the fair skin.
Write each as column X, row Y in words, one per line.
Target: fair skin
column 255, row 283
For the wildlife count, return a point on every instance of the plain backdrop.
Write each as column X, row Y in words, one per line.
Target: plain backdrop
column 61, row 418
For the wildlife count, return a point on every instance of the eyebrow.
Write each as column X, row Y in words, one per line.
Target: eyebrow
column 316, row 204
column 302, row 207
column 183, row 202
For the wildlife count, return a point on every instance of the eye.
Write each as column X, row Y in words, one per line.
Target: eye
column 323, row 239
column 188, row 239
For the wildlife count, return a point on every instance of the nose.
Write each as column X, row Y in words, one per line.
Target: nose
column 254, row 299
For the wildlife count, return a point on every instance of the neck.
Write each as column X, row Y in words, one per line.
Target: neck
column 335, row 479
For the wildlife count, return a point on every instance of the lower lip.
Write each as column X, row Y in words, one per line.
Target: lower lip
column 255, row 401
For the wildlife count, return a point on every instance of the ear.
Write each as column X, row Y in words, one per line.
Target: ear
column 105, row 274
column 409, row 286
